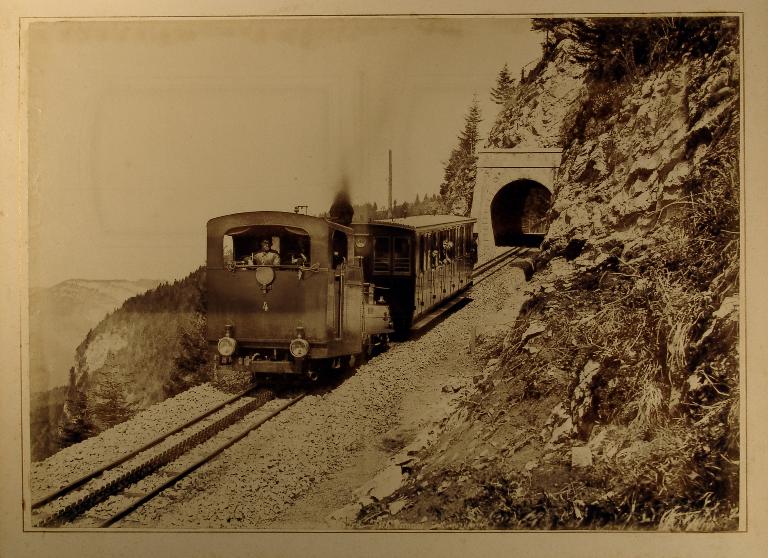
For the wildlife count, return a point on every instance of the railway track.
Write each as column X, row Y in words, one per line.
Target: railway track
column 110, row 493
column 497, row 263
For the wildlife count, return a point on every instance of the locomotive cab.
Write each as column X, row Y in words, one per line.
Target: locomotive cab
column 285, row 294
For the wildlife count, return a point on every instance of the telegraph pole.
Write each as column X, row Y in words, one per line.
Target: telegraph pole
column 391, row 215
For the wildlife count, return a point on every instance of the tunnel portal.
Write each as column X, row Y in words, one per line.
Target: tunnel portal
column 512, row 196
column 519, row 213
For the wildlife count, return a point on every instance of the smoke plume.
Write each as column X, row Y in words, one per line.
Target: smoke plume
column 341, row 211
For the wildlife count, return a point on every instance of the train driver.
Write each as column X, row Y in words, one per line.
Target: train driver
column 266, row 256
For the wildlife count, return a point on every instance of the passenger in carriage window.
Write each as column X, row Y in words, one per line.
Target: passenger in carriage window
column 447, row 250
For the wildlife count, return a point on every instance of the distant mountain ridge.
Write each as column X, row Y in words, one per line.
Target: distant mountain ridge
column 151, row 347
column 61, row 316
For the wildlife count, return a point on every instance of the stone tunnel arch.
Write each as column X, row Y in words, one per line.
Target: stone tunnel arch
column 519, row 213
column 508, row 179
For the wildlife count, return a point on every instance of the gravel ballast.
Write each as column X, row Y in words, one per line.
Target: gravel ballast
column 76, row 460
column 308, row 461
column 256, row 483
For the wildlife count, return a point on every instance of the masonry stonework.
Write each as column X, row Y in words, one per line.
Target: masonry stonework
column 496, row 168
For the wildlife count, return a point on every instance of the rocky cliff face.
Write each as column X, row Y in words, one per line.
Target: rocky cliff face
column 534, row 115
column 138, row 355
column 613, row 399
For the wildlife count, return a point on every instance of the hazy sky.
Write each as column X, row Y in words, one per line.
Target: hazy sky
column 139, row 132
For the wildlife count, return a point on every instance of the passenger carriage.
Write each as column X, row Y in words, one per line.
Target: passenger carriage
column 416, row 263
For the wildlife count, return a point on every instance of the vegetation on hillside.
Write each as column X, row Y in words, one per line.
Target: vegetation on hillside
column 45, row 411
column 613, row 401
column 430, row 204
column 460, row 171
column 162, row 351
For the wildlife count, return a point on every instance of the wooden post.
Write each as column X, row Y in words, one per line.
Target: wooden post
column 391, row 215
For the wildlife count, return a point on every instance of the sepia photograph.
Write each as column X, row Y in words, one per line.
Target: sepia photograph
column 383, row 273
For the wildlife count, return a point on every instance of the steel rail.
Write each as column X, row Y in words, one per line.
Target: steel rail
column 145, row 468
column 488, row 264
column 496, row 264
column 51, row 496
column 128, row 509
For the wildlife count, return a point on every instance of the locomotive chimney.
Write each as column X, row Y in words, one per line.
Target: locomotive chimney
column 341, row 211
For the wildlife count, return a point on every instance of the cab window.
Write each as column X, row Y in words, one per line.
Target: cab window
column 286, row 246
column 339, row 249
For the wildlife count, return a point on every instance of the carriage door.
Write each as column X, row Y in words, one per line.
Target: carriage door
column 421, row 271
column 443, row 265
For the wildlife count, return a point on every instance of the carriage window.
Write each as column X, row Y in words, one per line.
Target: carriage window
column 401, row 255
column 381, row 253
column 423, row 256
column 266, row 245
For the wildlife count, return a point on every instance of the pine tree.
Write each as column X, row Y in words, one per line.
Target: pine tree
column 471, row 135
column 504, row 86
column 461, row 169
column 110, row 406
column 75, row 424
column 191, row 361
column 403, row 210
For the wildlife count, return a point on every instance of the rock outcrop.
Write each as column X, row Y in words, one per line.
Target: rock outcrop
column 136, row 356
column 535, row 112
column 613, row 399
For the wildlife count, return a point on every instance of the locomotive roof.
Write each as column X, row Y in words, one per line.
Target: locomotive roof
column 420, row 222
column 315, row 226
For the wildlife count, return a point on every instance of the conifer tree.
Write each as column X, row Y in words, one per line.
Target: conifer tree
column 504, row 85
column 75, row 424
column 111, row 406
column 191, row 360
column 461, row 169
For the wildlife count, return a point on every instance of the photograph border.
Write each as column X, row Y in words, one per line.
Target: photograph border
column 749, row 460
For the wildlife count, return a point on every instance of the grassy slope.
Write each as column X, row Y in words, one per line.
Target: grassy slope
column 625, row 354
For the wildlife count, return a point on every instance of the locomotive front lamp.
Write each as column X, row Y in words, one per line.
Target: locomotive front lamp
column 265, row 276
column 299, row 347
column 227, row 345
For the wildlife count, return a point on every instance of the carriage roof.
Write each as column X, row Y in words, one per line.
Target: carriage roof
column 420, row 223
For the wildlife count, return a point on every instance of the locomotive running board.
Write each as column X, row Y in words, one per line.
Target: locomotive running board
column 436, row 313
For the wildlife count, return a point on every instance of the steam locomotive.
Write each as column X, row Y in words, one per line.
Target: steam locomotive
column 294, row 295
